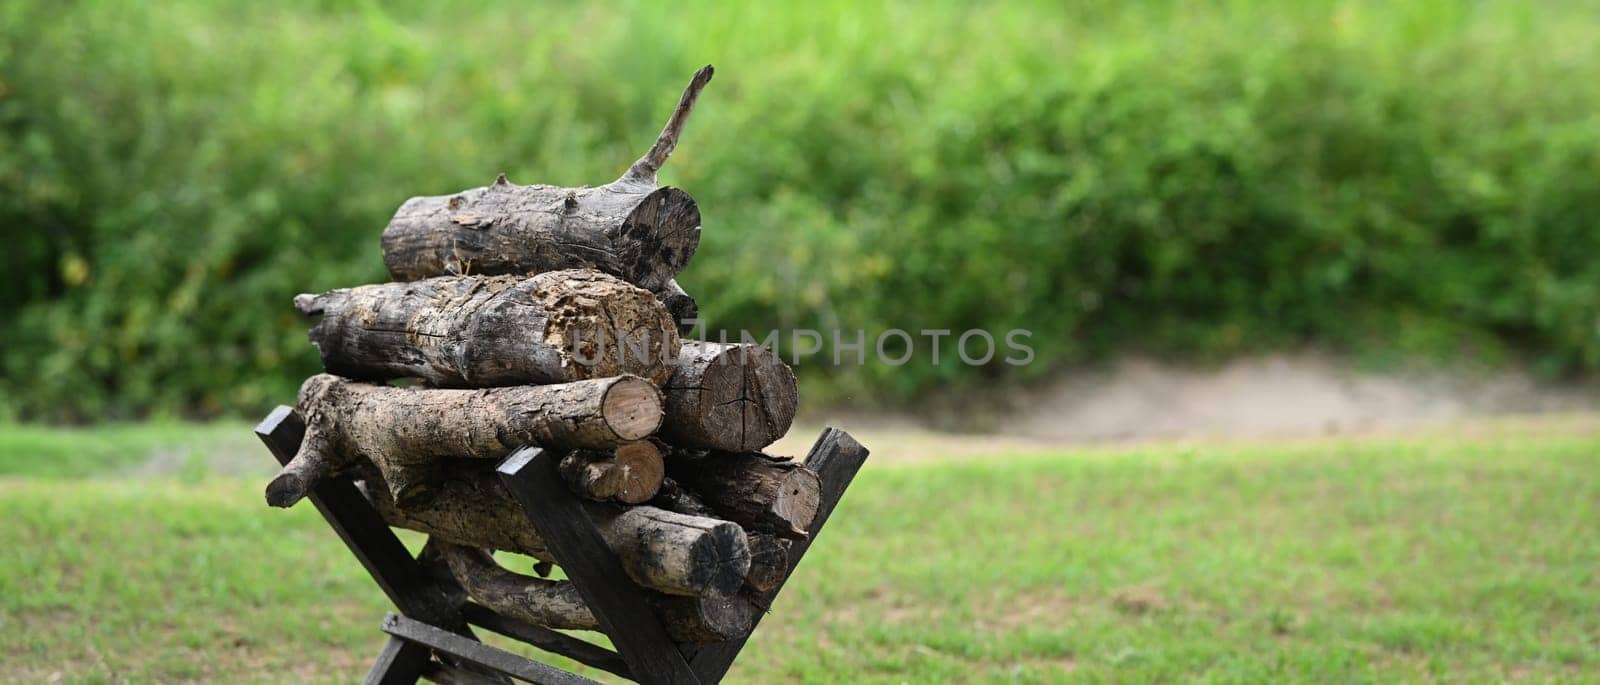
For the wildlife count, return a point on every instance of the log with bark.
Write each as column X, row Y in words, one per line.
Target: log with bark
column 769, row 554
column 630, row 474
column 488, row 331
column 406, row 432
column 760, row 492
column 557, row 604
column 632, row 228
column 730, row 397
column 672, row 553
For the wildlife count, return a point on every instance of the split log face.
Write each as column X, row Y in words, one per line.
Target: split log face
column 630, row 474
column 557, row 604
column 406, row 432
column 757, row 491
column 729, row 397
column 631, row 228
column 462, row 331
column 668, row 552
column 639, row 232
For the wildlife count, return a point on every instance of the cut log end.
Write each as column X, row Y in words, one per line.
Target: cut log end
column 733, row 398
column 799, row 495
column 760, row 492
column 659, row 237
column 287, row 489
column 769, row 562
column 630, row 474
column 709, row 557
column 706, row 620
column 632, row 408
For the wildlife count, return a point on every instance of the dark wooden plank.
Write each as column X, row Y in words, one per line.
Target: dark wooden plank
column 400, row 663
column 618, row 604
column 836, row 457
column 548, row 640
column 476, row 652
column 445, row 674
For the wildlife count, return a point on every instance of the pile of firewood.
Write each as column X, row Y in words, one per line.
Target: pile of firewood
column 546, row 316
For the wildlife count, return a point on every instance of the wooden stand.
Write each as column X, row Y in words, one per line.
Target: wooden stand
column 431, row 636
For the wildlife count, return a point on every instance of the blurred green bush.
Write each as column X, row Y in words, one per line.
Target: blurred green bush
column 1189, row 178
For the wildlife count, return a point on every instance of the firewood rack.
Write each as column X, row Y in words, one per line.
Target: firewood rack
column 431, row 634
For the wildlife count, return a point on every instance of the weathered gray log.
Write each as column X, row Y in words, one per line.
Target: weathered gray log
column 632, row 228
column 730, row 397
column 665, row 551
column 760, row 492
column 684, row 308
column 630, row 474
column 557, row 604
column 407, row 431
column 461, row 331
column 769, row 561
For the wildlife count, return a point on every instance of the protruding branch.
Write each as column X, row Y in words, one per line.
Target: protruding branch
column 644, row 170
column 319, row 455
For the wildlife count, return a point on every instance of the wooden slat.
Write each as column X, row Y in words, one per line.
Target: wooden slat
column 836, row 457
column 476, row 652
column 450, row 675
column 400, row 663
column 548, row 640
column 618, row 605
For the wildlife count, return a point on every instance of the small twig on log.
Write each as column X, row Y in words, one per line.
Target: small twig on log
column 644, row 170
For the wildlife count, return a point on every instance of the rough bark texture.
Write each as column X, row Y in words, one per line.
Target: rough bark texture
column 684, row 308
column 757, row 491
column 592, row 475
column 673, row 497
column 407, row 431
column 557, row 604
column 478, row 332
column 549, row 603
column 769, row 562
column 630, row 474
column 631, row 228
column 665, row 551
column 730, row 397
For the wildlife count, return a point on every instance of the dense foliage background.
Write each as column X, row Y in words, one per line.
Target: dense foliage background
column 1195, row 179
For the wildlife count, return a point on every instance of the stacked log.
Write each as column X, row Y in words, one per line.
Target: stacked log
column 537, row 315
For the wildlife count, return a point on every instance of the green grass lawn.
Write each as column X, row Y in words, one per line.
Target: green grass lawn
column 1462, row 557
